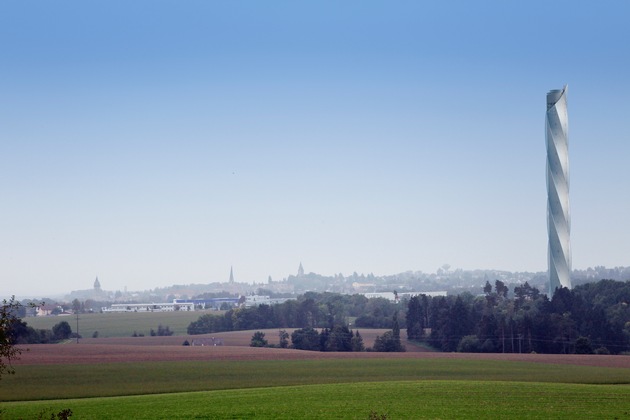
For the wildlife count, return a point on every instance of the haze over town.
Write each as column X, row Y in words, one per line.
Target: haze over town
column 154, row 144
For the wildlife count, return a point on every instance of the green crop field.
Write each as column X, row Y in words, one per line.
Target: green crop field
column 329, row 388
column 396, row 400
column 122, row 324
column 119, row 379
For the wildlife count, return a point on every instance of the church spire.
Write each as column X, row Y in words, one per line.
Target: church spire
column 231, row 275
column 300, row 270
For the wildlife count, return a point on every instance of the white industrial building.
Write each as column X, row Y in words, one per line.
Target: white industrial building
column 150, row 307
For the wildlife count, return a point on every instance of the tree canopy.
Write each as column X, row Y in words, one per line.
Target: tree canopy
column 594, row 317
column 8, row 321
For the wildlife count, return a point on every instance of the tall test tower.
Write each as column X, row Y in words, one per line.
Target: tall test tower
column 558, row 215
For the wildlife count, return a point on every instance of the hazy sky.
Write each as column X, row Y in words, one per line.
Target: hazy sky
column 152, row 143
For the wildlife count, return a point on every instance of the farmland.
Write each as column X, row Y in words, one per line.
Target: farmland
column 157, row 377
column 412, row 399
column 122, row 324
column 235, row 368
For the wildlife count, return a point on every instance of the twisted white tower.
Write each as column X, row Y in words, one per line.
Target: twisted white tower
column 558, row 217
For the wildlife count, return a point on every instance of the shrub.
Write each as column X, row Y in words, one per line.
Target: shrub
column 61, row 415
column 376, row 416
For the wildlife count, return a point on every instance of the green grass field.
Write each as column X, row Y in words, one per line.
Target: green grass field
column 122, row 324
column 397, row 400
column 309, row 389
column 118, row 379
column 331, row 388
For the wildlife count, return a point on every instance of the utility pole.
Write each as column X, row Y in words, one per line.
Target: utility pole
column 77, row 312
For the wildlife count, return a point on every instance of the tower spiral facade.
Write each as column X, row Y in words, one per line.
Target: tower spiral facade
column 558, row 215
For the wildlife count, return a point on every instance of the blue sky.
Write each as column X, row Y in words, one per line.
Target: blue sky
column 153, row 143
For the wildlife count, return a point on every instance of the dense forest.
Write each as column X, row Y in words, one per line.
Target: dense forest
column 591, row 318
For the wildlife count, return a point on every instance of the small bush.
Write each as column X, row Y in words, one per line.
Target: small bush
column 376, row 416
column 50, row 414
column 161, row 331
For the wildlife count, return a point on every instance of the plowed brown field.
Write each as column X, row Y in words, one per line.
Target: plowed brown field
column 236, row 347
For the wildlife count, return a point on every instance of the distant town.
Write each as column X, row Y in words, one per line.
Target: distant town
column 232, row 293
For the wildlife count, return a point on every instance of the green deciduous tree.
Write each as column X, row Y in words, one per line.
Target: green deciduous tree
column 583, row 346
column 390, row 341
column 283, row 337
column 258, row 340
column 339, row 339
column 501, row 288
column 387, row 343
column 487, row 289
column 62, row 331
column 305, row 339
column 8, row 351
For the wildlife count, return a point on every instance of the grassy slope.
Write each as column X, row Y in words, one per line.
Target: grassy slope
column 114, row 379
column 409, row 399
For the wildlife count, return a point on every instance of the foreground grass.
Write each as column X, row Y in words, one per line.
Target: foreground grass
column 408, row 399
column 118, row 379
column 122, row 324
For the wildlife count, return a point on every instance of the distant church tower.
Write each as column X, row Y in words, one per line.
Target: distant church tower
column 231, row 275
column 97, row 285
column 300, row 270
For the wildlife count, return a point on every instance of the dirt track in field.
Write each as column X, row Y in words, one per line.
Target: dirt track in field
column 236, row 348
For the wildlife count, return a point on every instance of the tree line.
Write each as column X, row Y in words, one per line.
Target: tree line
column 337, row 338
column 328, row 312
column 314, row 310
column 22, row 333
column 591, row 318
